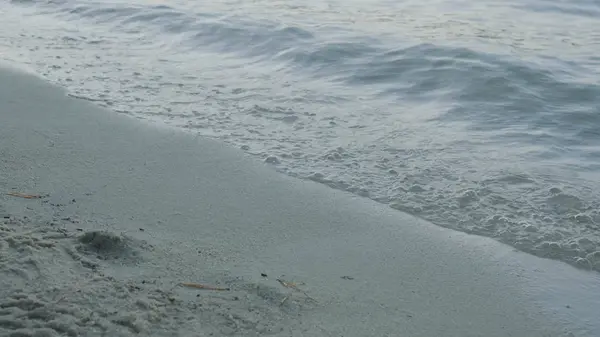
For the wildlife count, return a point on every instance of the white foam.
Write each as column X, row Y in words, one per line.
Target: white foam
column 356, row 139
column 106, row 250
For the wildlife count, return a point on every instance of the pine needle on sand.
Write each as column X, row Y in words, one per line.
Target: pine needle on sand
column 204, row 286
column 24, row 195
column 293, row 286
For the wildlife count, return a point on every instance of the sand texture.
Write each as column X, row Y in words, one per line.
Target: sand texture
column 103, row 218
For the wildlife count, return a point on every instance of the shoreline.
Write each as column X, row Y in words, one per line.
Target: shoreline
column 131, row 211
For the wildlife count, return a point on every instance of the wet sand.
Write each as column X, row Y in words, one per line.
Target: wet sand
column 128, row 211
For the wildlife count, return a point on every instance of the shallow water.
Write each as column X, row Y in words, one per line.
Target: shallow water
column 478, row 116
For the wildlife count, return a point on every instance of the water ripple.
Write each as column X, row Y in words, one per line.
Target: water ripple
column 478, row 116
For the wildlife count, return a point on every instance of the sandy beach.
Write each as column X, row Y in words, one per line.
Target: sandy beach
column 111, row 226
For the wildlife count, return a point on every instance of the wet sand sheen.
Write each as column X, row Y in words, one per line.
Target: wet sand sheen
column 176, row 209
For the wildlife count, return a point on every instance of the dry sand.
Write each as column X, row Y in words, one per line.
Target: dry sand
column 129, row 211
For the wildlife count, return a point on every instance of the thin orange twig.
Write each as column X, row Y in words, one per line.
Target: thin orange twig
column 23, row 195
column 202, row 286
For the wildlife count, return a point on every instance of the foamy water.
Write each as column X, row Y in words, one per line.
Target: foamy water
column 478, row 116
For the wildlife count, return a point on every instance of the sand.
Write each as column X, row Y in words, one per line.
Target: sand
column 128, row 211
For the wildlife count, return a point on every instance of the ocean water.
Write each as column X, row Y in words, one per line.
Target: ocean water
column 481, row 116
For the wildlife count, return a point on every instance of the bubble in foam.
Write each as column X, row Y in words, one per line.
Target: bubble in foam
column 272, row 160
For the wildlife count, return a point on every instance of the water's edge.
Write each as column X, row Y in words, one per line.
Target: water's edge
column 480, row 130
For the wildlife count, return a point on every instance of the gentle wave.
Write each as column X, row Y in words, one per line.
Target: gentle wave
column 483, row 129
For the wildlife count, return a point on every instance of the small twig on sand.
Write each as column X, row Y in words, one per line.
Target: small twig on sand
column 293, row 286
column 23, row 195
column 202, row 286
